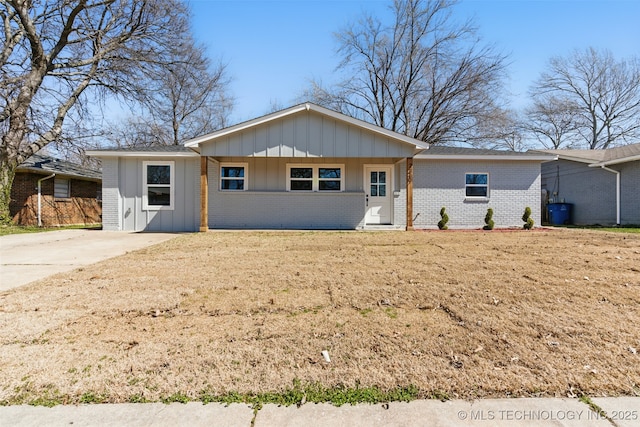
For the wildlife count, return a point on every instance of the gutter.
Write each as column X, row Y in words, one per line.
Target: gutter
column 617, row 190
column 40, row 197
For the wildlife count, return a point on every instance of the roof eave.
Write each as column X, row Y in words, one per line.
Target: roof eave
column 615, row 161
column 536, row 158
column 103, row 154
column 42, row 171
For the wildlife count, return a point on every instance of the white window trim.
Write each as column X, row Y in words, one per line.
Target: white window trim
column 234, row 164
column 145, row 186
column 315, row 177
column 477, row 185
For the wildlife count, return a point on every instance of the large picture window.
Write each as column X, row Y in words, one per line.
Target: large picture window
column 477, row 185
column 233, row 176
column 315, row 178
column 158, row 185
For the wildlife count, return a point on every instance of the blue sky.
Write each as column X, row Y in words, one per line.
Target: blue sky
column 273, row 47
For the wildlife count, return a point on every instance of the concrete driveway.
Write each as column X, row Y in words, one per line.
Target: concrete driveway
column 28, row 257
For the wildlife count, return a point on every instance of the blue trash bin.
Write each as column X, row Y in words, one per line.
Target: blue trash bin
column 559, row 213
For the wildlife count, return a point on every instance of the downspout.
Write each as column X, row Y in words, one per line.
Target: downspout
column 40, row 197
column 617, row 191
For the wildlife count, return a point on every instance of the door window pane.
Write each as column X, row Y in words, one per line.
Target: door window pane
column 382, row 190
column 382, row 177
column 374, row 177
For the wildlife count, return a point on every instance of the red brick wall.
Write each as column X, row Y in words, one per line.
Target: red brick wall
column 81, row 208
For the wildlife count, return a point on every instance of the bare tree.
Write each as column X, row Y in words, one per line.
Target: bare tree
column 602, row 97
column 56, row 53
column 185, row 99
column 553, row 122
column 424, row 75
column 504, row 130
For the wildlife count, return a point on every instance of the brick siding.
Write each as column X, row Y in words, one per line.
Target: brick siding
column 82, row 207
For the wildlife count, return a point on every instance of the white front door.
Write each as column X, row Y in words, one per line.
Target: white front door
column 379, row 194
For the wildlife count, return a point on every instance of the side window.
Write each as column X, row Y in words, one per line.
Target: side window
column 158, row 185
column 61, row 188
column 233, row 176
column 477, row 185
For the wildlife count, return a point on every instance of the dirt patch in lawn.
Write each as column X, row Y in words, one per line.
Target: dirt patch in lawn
column 457, row 314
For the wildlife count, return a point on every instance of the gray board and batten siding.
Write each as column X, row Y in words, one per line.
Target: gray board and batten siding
column 302, row 137
column 122, row 195
column 307, row 134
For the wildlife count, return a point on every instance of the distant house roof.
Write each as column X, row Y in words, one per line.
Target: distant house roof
column 41, row 163
column 462, row 153
column 154, row 151
column 609, row 156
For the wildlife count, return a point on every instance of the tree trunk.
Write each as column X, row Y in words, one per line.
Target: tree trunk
column 7, row 173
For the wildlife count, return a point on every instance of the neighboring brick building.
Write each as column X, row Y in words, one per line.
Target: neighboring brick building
column 69, row 193
column 603, row 186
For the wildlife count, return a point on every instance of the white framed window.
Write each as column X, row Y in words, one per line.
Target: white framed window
column 61, row 188
column 234, row 176
column 158, row 182
column 477, row 185
column 315, row 177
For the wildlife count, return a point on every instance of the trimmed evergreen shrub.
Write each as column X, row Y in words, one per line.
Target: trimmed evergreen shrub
column 528, row 221
column 442, row 224
column 488, row 220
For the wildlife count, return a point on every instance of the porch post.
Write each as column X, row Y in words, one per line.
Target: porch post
column 204, row 194
column 409, row 194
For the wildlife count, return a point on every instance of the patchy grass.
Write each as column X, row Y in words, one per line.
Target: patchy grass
column 616, row 229
column 243, row 316
column 623, row 229
column 19, row 229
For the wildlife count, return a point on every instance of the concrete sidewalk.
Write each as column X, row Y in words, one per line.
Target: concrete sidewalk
column 622, row 412
column 32, row 256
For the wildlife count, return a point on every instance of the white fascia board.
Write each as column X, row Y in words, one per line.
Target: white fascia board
column 98, row 153
column 540, row 158
column 308, row 107
column 616, row 161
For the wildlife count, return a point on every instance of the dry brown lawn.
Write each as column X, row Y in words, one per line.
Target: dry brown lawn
column 458, row 314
